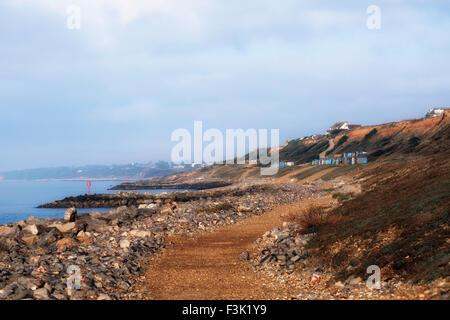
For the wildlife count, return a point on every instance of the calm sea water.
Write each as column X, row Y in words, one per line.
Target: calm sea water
column 18, row 199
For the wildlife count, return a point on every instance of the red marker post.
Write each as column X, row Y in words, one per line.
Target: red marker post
column 89, row 188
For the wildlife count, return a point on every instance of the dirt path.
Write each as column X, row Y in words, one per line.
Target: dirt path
column 331, row 146
column 317, row 175
column 207, row 267
column 291, row 174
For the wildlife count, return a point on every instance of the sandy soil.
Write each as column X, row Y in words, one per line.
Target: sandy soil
column 208, row 267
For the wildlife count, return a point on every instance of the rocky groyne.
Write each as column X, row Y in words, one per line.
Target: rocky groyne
column 146, row 185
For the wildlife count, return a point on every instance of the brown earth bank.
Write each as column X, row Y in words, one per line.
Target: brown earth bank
column 215, row 266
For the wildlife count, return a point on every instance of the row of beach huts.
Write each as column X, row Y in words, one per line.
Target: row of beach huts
column 347, row 158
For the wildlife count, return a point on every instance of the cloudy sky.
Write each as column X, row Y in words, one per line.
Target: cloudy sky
column 114, row 90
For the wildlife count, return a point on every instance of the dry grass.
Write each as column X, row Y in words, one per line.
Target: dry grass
column 311, row 218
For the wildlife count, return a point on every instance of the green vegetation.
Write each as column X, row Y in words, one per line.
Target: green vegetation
column 301, row 152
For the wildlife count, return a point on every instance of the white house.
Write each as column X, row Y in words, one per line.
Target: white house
column 435, row 112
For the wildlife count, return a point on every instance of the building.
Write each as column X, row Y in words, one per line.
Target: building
column 342, row 125
column 435, row 112
column 348, row 158
column 290, row 164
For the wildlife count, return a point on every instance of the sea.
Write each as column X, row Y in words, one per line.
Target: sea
column 19, row 198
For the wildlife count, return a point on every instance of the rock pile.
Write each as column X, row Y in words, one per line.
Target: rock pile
column 282, row 247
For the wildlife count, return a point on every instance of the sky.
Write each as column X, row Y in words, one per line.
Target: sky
column 114, row 90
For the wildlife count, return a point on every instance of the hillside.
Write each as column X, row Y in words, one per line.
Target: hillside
column 418, row 137
column 113, row 172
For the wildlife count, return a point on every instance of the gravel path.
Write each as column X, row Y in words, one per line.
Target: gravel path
column 208, row 266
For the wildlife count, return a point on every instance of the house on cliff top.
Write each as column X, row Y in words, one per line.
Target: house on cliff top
column 435, row 112
column 342, row 125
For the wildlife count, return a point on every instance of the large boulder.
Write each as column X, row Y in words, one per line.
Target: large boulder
column 70, row 215
column 30, row 240
column 7, row 232
column 30, row 230
column 64, row 228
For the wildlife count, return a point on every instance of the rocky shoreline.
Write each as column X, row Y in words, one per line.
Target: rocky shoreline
column 109, row 248
column 137, row 198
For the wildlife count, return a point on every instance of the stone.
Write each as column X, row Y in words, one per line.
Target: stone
column 48, row 238
column 354, row 280
column 166, row 210
column 244, row 209
column 84, row 237
column 95, row 214
column 70, row 214
column 28, row 283
column 244, row 256
column 7, row 231
column 140, row 233
column 152, row 206
column 103, row 296
column 30, row 229
column 64, row 228
column 295, row 259
column 22, row 293
column 63, row 244
column 124, row 244
column 315, row 279
column 7, row 291
column 30, row 240
column 41, row 294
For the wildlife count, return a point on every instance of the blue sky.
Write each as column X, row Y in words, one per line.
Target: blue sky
column 113, row 91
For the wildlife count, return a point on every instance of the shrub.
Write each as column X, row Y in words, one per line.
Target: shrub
column 312, row 218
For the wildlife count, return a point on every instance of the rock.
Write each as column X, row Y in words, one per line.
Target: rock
column 30, row 240
column 64, row 228
column 152, row 206
column 28, row 283
column 49, row 238
column 70, row 214
column 103, row 296
column 352, row 280
column 84, row 237
column 41, row 294
column 166, row 210
column 140, row 233
column 7, row 291
column 244, row 209
column 244, row 256
column 315, row 279
column 295, row 259
column 124, row 244
column 339, row 284
column 122, row 209
column 64, row 243
column 7, row 231
column 30, row 229
column 95, row 214
column 22, row 293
